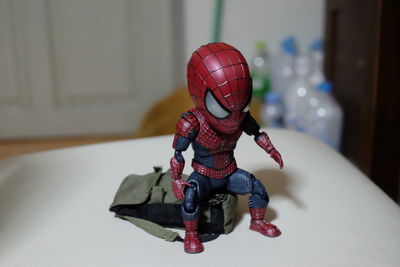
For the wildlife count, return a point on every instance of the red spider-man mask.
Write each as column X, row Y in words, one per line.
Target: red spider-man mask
column 220, row 85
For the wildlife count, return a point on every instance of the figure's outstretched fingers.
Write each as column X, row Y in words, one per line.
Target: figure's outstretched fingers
column 277, row 157
column 176, row 195
column 279, row 160
column 280, row 163
column 180, row 194
column 187, row 184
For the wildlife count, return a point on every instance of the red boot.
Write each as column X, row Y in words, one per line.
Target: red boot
column 192, row 242
column 260, row 225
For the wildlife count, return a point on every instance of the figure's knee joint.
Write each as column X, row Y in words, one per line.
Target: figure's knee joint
column 258, row 188
column 191, row 199
column 189, row 206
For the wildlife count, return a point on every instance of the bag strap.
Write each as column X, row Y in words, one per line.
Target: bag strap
column 153, row 228
column 149, row 226
column 156, row 229
column 162, row 232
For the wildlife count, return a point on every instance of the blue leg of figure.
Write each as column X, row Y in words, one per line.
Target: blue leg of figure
column 242, row 182
column 190, row 215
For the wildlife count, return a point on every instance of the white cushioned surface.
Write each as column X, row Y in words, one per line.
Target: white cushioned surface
column 54, row 209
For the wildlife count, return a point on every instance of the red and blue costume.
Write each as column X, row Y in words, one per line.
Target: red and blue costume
column 220, row 85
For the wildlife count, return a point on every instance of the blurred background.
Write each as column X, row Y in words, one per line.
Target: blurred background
column 77, row 72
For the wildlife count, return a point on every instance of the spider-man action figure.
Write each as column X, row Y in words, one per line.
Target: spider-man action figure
column 220, row 85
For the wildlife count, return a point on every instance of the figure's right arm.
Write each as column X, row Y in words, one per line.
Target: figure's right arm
column 186, row 130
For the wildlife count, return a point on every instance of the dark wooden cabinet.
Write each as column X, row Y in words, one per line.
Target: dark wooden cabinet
column 363, row 62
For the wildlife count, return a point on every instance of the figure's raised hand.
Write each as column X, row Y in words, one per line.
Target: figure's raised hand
column 277, row 157
column 178, row 186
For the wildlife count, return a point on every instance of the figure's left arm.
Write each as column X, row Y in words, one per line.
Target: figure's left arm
column 251, row 127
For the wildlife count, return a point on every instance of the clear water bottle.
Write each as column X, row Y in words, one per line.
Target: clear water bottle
column 259, row 70
column 324, row 116
column 272, row 110
column 317, row 60
column 296, row 96
column 283, row 67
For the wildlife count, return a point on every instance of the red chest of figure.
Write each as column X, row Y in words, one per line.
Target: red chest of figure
column 213, row 150
column 213, row 141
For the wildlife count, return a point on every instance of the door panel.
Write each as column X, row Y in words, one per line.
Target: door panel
column 14, row 94
column 82, row 67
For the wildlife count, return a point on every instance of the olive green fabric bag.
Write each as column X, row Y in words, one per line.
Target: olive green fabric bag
column 148, row 202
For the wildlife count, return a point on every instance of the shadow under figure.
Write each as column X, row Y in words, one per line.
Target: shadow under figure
column 221, row 87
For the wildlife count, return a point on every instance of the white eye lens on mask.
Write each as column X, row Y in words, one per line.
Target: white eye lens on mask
column 246, row 108
column 214, row 107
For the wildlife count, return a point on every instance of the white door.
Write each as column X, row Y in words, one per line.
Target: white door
column 83, row 67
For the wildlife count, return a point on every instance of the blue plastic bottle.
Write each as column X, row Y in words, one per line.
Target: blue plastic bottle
column 324, row 116
column 272, row 110
column 283, row 67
